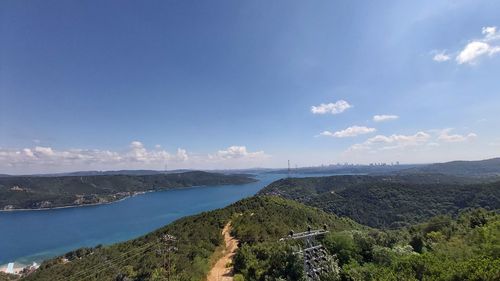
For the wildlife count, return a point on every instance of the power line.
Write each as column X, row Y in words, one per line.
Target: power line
column 83, row 274
column 118, row 261
column 315, row 257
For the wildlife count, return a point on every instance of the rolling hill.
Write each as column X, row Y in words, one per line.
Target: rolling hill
column 442, row 248
column 480, row 168
column 49, row 192
column 255, row 221
column 389, row 201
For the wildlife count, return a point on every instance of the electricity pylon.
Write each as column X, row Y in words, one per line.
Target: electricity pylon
column 314, row 255
column 168, row 246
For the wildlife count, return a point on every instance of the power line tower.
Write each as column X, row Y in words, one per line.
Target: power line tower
column 314, row 254
column 167, row 246
column 289, row 171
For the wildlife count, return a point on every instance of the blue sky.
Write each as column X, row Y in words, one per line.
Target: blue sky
column 232, row 84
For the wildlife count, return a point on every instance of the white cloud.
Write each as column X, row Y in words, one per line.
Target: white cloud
column 474, row 50
column 349, row 132
column 445, row 136
column 382, row 118
column 136, row 156
column 425, row 140
column 136, row 144
column 182, row 155
column 48, row 158
column 394, row 141
column 236, row 152
column 332, row 108
column 486, row 46
column 28, row 152
column 441, row 57
column 489, row 31
column 40, row 150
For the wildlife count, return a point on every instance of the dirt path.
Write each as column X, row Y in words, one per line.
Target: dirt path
column 219, row 271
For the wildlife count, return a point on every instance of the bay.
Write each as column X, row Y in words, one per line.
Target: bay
column 35, row 235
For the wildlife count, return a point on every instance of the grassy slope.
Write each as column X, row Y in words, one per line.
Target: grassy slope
column 63, row 191
column 388, row 201
column 255, row 220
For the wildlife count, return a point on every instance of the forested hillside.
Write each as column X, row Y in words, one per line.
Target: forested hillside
column 465, row 248
column 389, row 201
column 256, row 221
column 49, row 192
column 482, row 168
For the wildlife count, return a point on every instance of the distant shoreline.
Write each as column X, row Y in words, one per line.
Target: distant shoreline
column 80, row 206
column 106, row 203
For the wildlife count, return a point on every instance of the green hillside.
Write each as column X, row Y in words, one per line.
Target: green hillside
column 256, row 221
column 389, row 201
column 480, row 168
column 465, row 248
column 30, row 192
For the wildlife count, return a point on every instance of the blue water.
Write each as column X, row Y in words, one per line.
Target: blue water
column 27, row 236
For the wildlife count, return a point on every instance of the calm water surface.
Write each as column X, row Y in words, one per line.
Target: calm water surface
column 27, row 236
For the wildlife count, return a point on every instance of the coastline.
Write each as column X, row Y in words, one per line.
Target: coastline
column 167, row 215
column 78, row 206
column 110, row 202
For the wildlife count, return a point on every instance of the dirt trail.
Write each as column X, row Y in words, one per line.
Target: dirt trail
column 219, row 271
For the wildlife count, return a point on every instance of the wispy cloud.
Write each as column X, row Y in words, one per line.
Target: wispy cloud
column 332, row 108
column 445, row 136
column 349, row 132
column 384, row 117
column 431, row 138
column 441, row 56
column 392, row 141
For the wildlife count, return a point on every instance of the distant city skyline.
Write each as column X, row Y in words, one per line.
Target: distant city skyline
column 229, row 84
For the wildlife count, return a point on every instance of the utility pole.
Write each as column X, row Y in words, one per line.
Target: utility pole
column 315, row 256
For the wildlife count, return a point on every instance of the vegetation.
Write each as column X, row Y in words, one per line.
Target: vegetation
column 443, row 248
column 488, row 168
column 389, row 201
column 434, row 227
column 467, row 248
column 49, row 192
column 7, row 277
column 256, row 222
column 482, row 168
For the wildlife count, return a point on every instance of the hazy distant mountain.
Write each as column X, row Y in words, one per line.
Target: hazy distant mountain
column 109, row 173
column 481, row 168
column 348, row 169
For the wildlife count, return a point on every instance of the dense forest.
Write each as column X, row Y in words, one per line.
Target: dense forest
column 255, row 221
column 380, row 227
column 389, row 201
column 443, row 248
column 31, row 192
